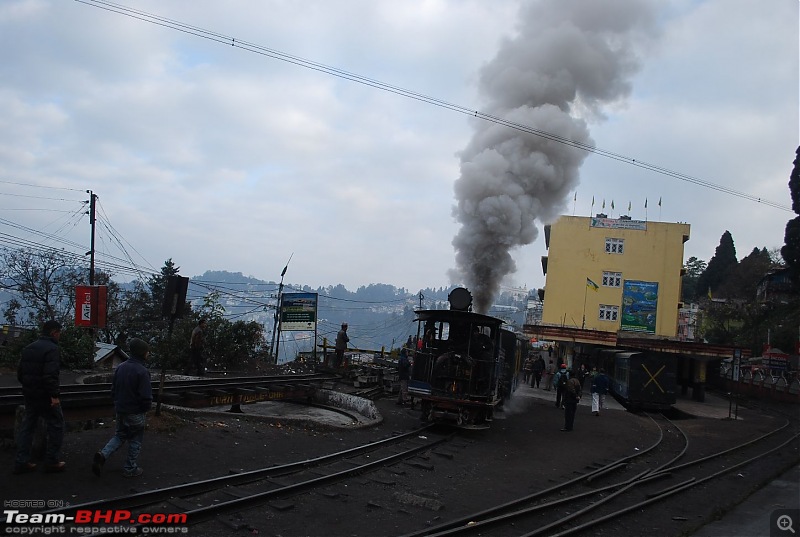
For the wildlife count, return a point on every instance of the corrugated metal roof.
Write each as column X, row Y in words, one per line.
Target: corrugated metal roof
column 104, row 350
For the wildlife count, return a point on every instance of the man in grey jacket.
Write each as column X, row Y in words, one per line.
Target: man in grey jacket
column 133, row 396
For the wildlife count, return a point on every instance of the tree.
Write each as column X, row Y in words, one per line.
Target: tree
column 12, row 310
column 692, row 270
column 742, row 279
column 791, row 239
column 719, row 266
column 114, row 306
column 45, row 281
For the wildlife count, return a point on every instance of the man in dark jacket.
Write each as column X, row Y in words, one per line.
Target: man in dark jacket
column 38, row 372
column 342, row 339
column 538, row 370
column 403, row 375
column 560, row 382
column 197, row 345
column 133, row 395
column 600, row 385
column 572, row 394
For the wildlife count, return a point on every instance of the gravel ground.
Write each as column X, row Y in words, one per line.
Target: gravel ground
column 523, row 452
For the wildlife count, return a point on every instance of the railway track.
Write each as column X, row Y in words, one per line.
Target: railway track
column 88, row 401
column 209, row 499
column 608, row 491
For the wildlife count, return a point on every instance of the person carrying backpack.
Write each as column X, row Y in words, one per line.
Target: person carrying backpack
column 560, row 382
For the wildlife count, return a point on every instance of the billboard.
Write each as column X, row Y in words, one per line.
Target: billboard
column 611, row 223
column 639, row 304
column 90, row 305
column 298, row 311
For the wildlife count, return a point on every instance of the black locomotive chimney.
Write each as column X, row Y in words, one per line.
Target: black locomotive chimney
column 460, row 299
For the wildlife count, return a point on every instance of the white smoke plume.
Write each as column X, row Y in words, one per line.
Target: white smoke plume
column 568, row 59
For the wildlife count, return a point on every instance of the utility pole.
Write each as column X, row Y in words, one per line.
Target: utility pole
column 273, row 347
column 90, row 253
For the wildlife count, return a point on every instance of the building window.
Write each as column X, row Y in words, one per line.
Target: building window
column 608, row 313
column 615, row 246
column 612, row 279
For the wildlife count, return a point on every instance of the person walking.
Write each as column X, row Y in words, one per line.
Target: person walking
column 600, row 385
column 133, row 396
column 583, row 374
column 548, row 376
column 560, row 381
column 197, row 345
column 572, row 395
column 538, row 371
column 342, row 339
column 527, row 369
column 403, row 375
column 38, row 371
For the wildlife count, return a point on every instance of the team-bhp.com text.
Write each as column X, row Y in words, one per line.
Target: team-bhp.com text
column 93, row 521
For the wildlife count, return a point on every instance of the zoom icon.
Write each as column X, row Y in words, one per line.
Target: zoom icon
column 783, row 522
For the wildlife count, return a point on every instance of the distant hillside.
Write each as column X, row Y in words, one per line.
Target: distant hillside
column 378, row 315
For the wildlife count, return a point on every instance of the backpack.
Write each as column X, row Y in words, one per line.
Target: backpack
column 563, row 377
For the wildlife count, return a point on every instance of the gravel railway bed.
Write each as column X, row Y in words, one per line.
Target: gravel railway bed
column 523, row 453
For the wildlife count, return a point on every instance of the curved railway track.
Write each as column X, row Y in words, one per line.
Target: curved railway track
column 212, row 498
column 614, row 489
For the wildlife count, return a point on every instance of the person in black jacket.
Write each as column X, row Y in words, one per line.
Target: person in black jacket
column 38, row 372
column 133, row 396
column 403, row 375
column 572, row 395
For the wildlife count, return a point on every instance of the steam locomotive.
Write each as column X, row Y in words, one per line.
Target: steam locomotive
column 467, row 366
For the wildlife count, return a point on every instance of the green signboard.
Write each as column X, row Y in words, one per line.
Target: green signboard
column 298, row 311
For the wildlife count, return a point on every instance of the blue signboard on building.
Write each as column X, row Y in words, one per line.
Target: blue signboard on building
column 639, row 304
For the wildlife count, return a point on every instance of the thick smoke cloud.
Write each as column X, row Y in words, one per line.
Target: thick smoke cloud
column 568, row 59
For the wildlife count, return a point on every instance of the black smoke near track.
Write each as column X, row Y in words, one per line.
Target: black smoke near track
column 567, row 60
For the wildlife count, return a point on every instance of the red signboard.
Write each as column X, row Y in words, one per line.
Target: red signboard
column 90, row 305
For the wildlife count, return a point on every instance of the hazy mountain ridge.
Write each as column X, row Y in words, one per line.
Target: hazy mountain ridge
column 379, row 315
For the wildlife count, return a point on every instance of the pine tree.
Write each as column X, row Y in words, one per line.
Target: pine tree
column 719, row 267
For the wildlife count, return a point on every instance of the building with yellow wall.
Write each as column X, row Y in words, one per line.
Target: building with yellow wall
column 612, row 274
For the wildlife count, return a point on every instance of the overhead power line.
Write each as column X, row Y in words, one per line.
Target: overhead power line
column 353, row 77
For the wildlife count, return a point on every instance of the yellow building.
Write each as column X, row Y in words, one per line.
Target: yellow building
column 612, row 274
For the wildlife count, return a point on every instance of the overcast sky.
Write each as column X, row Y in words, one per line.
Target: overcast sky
column 226, row 159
